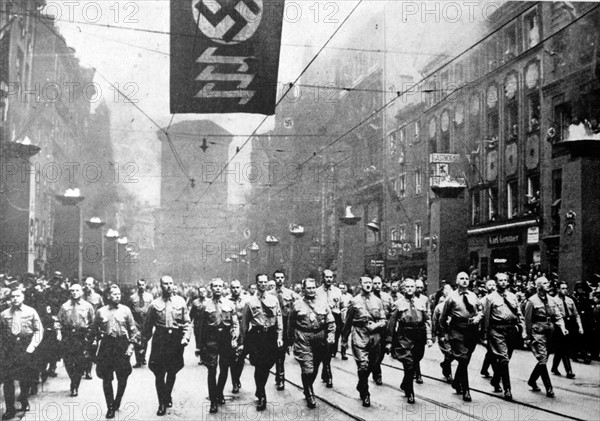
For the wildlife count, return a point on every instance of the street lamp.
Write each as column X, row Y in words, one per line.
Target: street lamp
column 72, row 197
column 296, row 231
column 122, row 241
column 271, row 243
column 113, row 235
column 94, row 223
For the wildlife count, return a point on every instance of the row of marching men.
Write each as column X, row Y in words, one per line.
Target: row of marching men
column 264, row 326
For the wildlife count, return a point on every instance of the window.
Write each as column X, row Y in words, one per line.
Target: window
column 445, row 135
column 561, row 118
column 402, row 233
column 475, row 207
column 418, row 181
column 493, row 117
column 394, row 235
column 401, row 186
column 511, row 108
column 533, row 194
column 418, row 239
column 492, row 204
column 512, row 199
column 474, row 124
column 510, row 43
column 432, row 135
column 556, row 200
column 532, row 29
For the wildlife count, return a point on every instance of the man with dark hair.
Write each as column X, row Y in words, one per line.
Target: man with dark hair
column 564, row 344
column 311, row 328
column 75, row 318
column 366, row 322
column 541, row 313
column 388, row 306
column 464, row 311
column 115, row 329
column 139, row 303
column 409, row 329
column 168, row 324
column 21, row 332
column 286, row 299
column 91, row 296
column 262, row 335
column 333, row 296
column 237, row 365
column 218, row 332
column 503, row 323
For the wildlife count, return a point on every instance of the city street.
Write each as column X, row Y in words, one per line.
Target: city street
column 575, row 399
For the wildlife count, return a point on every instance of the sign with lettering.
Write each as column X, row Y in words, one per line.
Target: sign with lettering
column 447, row 158
column 225, row 55
column 504, row 239
column 376, row 263
column 533, row 235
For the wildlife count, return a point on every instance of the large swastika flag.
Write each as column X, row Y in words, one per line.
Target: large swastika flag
column 225, row 55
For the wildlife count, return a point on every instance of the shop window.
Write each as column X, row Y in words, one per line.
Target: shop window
column 418, row 234
column 512, row 199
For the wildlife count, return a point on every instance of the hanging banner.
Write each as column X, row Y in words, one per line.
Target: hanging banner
column 225, row 55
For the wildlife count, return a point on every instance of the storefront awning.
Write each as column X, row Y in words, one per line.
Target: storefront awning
column 519, row 224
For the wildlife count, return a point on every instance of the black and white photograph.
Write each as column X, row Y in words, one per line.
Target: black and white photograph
column 299, row 210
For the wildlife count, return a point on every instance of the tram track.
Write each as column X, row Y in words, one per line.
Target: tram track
column 500, row 397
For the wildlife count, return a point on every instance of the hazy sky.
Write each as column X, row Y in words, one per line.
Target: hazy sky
column 137, row 59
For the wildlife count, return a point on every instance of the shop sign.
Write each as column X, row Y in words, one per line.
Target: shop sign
column 533, row 235
column 376, row 263
column 503, row 239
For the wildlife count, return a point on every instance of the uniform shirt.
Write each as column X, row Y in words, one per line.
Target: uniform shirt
column 425, row 300
column 539, row 311
column 169, row 313
column 408, row 311
column 262, row 312
column 387, row 301
column 94, row 299
column 497, row 311
column 23, row 325
column 436, row 329
column 239, row 303
column 311, row 315
column 455, row 308
column 75, row 315
column 333, row 296
column 195, row 309
column 286, row 299
column 344, row 304
column 114, row 321
column 364, row 308
column 139, row 305
column 568, row 310
column 217, row 315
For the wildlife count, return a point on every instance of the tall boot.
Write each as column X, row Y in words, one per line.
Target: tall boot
column 505, row 375
column 329, row 383
column 535, row 374
column 310, row 400
column 546, row 379
column 363, row 388
column 567, row 363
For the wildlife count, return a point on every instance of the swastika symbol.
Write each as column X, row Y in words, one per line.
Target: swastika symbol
column 228, row 21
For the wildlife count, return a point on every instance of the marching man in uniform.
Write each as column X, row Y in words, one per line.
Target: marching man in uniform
column 366, row 321
column 541, row 313
column 218, row 332
column 262, row 335
column 312, row 328
column 388, row 306
column 168, row 324
column 115, row 330
column 464, row 311
column 502, row 323
column 139, row 303
column 22, row 331
column 75, row 318
column 286, row 299
column 409, row 329
column 333, row 297
column 237, row 364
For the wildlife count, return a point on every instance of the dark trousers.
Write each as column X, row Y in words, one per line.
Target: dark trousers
column 164, row 382
column 261, row 375
column 140, row 352
column 280, row 362
column 562, row 348
column 237, row 367
column 215, row 388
